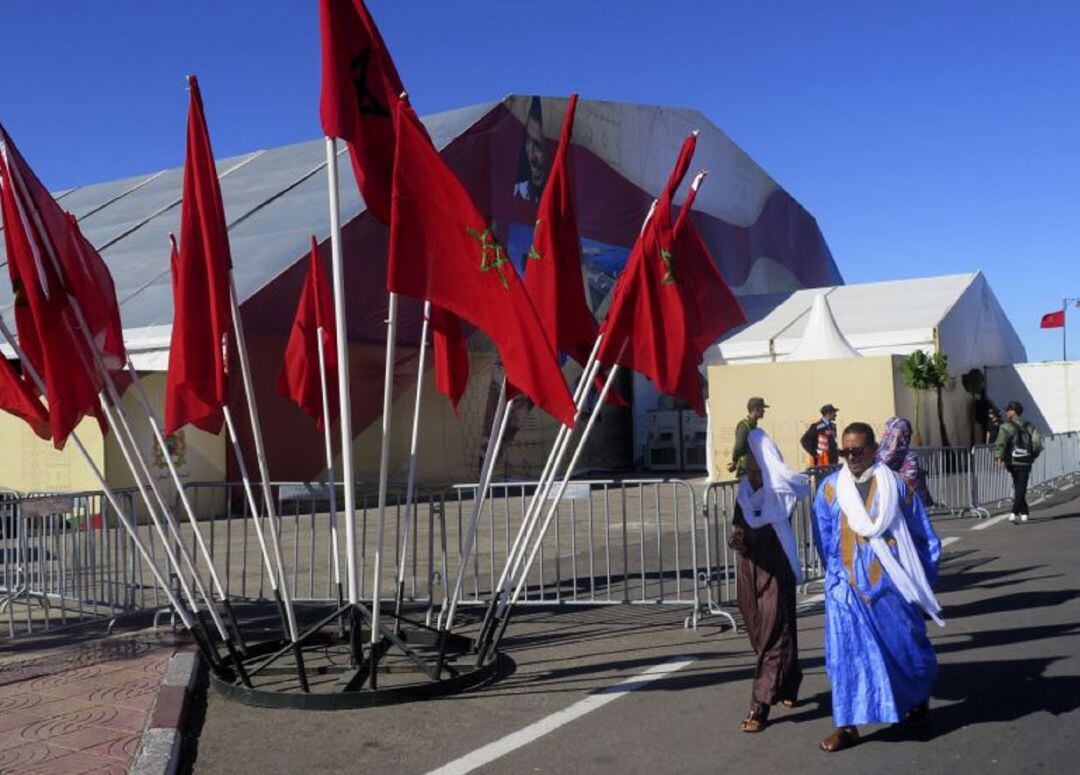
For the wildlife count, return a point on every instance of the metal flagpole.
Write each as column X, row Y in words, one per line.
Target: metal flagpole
column 122, row 429
column 329, row 466
column 499, row 422
column 185, row 616
column 552, row 509
column 1064, row 326
column 410, row 487
column 344, row 398
column 264, row 474
column 182, row 494
column 384, row 462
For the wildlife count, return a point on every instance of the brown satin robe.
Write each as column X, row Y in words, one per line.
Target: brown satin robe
column 766, row 599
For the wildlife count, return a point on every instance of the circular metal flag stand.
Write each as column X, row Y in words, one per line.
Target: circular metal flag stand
column 332, row 666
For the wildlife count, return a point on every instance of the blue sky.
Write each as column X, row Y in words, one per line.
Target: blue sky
column 926, row 137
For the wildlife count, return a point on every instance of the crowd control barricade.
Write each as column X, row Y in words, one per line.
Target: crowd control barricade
column 304, row 529
column 718, row 574
column 949, row 472
column 610, row 541
column 65, row 558
column 1057, row 466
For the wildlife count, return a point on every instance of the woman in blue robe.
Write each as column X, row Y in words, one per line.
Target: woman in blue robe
column 879, row 660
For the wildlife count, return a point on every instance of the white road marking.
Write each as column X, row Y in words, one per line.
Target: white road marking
column 949, row 541
column 989, row 522
column 533, row 732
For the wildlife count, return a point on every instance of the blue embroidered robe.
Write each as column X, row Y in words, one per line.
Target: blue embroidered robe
column 877, row 655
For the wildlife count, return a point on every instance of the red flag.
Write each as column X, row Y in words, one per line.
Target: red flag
column 656, row 324
column 442, row 249
column 1053, row 319
column 47, row 333
column 360, row 87
column 300, row 379
column 196, row 387
column 712, row 308
column 553, row 267
column 17, row 397
column 451, row 355
column 83, row 273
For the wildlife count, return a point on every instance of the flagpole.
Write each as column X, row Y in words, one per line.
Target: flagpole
column 186, row 617
column 502, row 416
column 552, row 510
column 384, row 462
column 1064, row 327
column 264, row 474
column 329, row 466
column 342, row 343
column 410, row 487
column 98, row 366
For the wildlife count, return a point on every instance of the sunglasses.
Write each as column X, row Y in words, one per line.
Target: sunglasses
column 852, row 452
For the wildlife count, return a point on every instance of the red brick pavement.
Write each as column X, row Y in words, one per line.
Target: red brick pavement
column 79, row 707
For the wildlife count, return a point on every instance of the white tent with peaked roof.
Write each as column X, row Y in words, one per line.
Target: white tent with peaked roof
column 822, row 339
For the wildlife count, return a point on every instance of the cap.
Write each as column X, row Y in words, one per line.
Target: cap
column 757, row 402
column 828, row 408
column 1015, row 406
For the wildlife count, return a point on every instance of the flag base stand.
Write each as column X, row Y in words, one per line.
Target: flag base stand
column 327, row 669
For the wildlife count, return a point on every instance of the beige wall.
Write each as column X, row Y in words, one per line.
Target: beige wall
column 199, row 456
column 28, row 464
column 861, row 387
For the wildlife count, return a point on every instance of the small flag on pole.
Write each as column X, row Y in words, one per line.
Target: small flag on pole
column 1053, row 319
column 300, row 379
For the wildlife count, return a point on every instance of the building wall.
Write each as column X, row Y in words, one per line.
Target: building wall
column 863, row 388
column 1050, row 392
column 29, row 464
column 199, row 456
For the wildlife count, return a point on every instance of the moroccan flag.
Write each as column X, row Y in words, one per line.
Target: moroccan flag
column 17, row 397
column 1053, row 319
column 82, row 272
column 451, row 355
column 656, row 324
column 360, row 87
column 553, row 267
column 712, row 308
column 442, row 249
column 46, row 325
column 300, row 379
column 196, row 387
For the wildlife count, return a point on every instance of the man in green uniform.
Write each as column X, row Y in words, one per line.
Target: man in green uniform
column 755, row 410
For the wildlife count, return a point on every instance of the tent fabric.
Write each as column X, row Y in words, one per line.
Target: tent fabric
column 822, row 339
column 764, row 242
column 957, row 314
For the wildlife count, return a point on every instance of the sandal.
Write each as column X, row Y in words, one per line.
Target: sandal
column 841, row 738
column 919, row 716
column 789, row 703
column 756, row 720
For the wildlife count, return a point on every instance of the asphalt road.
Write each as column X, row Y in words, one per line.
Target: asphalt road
column 1006, row 701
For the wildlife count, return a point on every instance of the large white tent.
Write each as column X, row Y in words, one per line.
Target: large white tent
column 957, row 315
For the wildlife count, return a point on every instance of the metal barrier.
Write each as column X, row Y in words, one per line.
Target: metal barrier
column 611, row 541
column 718, row 574
column 949, row 473
column 65, row 559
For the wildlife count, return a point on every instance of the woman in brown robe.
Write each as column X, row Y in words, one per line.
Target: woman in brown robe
column 766, row 584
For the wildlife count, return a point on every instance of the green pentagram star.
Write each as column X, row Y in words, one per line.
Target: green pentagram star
column 669, row 267
column 492, row 255
column 533, row 252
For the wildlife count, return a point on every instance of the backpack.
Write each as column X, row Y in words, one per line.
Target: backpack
column 1023, row 446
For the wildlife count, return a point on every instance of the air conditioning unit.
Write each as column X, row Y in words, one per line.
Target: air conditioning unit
column 663, row 444
column 695, row 434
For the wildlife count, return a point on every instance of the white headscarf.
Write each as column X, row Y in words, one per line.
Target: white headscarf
column 781, row 489
column 907, row 574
